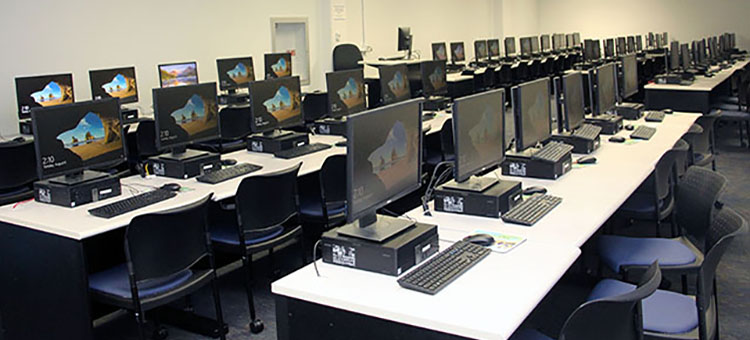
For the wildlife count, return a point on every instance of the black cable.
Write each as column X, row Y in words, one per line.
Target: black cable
column 434, row 182
column 315, row 258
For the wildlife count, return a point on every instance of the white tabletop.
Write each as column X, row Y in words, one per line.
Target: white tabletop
column 701, row 83
column 591, row 193
column 495, row 295
column 77, row 223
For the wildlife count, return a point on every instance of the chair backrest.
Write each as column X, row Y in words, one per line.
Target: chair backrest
column 727, row 225
column 165, row 243
column 696, row 195
column 681, row 149
column 234, row 122
column 332, row 175
column 145, row 137
column 663, row 175
column 315, row 106
column 346, row 57
column 613, row 318
column 703, row 141
column 19, row 164
column 446, row 139
column 266, row 201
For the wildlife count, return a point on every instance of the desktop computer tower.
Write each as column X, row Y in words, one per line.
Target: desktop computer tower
column 492, row 202
column 393, row 256
column 73, row 195
column 610, row 124
column 524, row 166
column 25, row 127
column 630, row 111
column 187, row 168
column 580, row 145
column 330, row 127
column 260, row 143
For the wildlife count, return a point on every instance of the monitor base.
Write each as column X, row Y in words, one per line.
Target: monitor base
column 383, row 228
column 473, row 184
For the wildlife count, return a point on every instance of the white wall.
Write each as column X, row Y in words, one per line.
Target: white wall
column 520, row 18
column 684, row 20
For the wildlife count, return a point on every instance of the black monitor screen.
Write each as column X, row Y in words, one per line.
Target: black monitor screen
column 43, row 91
column 478, row 128
column 674, row 55
column 609, row 48
column 394, row 84
column 510, row 46
column 685, row 55
column 629, row 75
column 558, row 42
column 605, row 77
column 185, row 114
column 480, row 49
column 457, row 51
column 576, row 39
column 439, row 52
column 178, row 74
column 383, row 156
column 630, row 44
column 525, row 46
column 71, row 138
column 621, row 48
column 434, row 81
column 346, row 92
column 569, row 41
column 639, row 43
column 278, row 65
column 597, row 50
column 493, row 45
column 235, row 72
column 532, row 113
column 573, row 99
column 117, row 83
column 545, row 42
column 534, row 45
column 276, row 103
column 588, row 50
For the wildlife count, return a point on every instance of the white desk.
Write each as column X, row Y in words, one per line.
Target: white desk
column 702, row 83
column 591, row 193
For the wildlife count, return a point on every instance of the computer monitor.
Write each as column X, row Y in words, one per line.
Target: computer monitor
column 457, row 52
column 558, row 42
column 525, row 46
column 569, row 41
column 439, row 52
column 629, row 75
column 674, row 55
column 235, row 73
column 573, row 103
column 535, row 45
column 346, row 92
column 404, row 39
column 480, row 50
column 394, row 83
column 605, row 88
column 545, row 42
column 493, row 48
column 478, row 136
column 531, row 109
column 278, row 65
column 275, row 104
column 114, row 83
column 43, row 91
column 609, row 48
column 620, row 47
column 184, row 115
column 75, row 137
column 510, row 46
column 434, row 78
column 630, row 44
column 597, row 50
column 576, row 39
column 686, row 61
column 384, row 157
column 638, row 43
column 658, row 38
column 178, row 74
column 651, row 40
column 589, row 52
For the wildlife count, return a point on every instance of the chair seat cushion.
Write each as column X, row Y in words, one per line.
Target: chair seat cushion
column 229, row 235
column 315, row 209
column 115, row 282
column 529, row 334
column 663, row 312
column 617, row 251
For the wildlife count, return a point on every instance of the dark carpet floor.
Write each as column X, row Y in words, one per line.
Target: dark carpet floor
column 733, row 277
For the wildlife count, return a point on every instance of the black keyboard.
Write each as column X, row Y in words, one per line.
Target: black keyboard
column 437, row 272
column 133, row 203
column 532, row 209
column 301, row 150
column 552, row 152
column 587, row 131
column 643, row 132
column 228, row 173
column 655, row 116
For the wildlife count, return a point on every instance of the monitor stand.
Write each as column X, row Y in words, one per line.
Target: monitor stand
column 375, row 228
column 78, row 177
column 182, row 154
column 473, row 184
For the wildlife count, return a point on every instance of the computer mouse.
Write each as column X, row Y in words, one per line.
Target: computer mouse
column 586, row 160
column 483, row 240
column 617, row 139
column 534, row 190
column 171, row 187
column 19, row 139
column 668, row 111
column 629, row 127
column 228, row 162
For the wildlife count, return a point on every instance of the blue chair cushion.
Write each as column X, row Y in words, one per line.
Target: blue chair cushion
column 316, row 210
column 617, row 251
column 529, row 334
column 115, row 282
column 229, row 235
column 641, row 203
column 663, row 312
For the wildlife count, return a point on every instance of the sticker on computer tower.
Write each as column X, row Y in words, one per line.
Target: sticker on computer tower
column 159, row 169
column 44, row 195
column 256, row 146
column 517, row 169
column 453, row 204
column 567, row 166
column 324, row 129
column 343, row 255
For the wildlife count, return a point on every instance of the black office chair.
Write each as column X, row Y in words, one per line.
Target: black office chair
column 681, row 163
column 670, row 315
column 168, row 257
column 346, row 57
column 329, row 207
column 18, row 172
column 740, row 115
column 145, row 136
column 267, row 209
column 315, row 106
column 611, row 317
column 703, row 145
column 234, row 126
